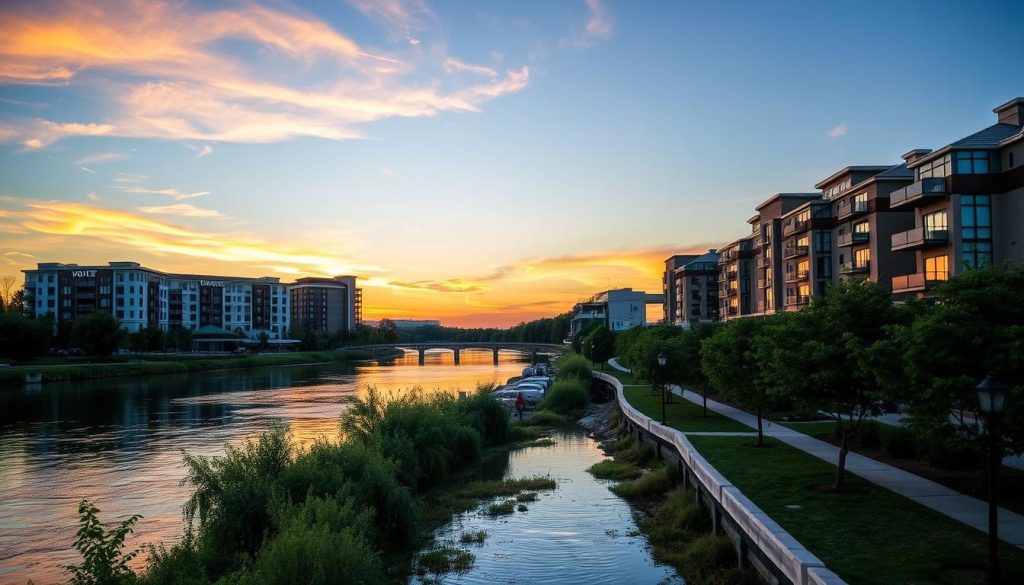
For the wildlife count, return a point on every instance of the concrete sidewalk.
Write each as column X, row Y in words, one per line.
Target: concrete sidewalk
column 970, row 511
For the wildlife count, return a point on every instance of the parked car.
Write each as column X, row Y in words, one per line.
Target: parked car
column 508, row 397
column 240, row 351
column 530, row 386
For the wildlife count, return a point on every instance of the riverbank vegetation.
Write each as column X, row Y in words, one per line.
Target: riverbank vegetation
column 345, row 511
column 677, row 528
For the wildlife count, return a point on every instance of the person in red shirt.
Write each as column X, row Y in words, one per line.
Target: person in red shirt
column 520, row 404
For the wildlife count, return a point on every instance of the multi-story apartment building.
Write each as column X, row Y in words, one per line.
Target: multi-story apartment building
column 696, row 288
column 736, row 278
column 139, row 296
column 619, row 310
column 806, row 252
column 769, row 274
column 967, row 200
column 865, row 222
column 326, row 304
column 668, row 285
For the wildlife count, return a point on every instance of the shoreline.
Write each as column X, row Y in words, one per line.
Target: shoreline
column 15, row 378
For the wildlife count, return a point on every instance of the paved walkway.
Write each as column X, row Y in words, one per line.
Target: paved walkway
column 970, row 511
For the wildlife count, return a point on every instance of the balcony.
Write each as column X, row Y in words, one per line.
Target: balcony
column 920, row 192
column 793, row 226
column 764, row 282
column 919, row 238
column 853, row 209
column 731, row 310
column 730, row 274
column 850, row 238
column 798, row 275
column 796, row 300
column 764, row 261
column 918, row 282
column 855, row 267
column 732, row 291
column 791, row 251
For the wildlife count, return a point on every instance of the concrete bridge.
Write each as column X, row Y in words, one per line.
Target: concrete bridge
column 495, row 346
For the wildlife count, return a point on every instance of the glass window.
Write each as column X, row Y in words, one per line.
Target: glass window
column 937, row 168
column 972, row 162
column 862, row 257
column 935, row 222
column 936, row 268
column 977, row 254
column 975, row 217
column 862, row 228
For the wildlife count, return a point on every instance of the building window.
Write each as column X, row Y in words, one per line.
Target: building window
column 977, row 254
column 824, row 267
column 862, row 228
column 822, row 242
column 936, row 268
column 975, row 217
column 937, row 168
column 935, row 223
column 861, row 257
column 972, row 162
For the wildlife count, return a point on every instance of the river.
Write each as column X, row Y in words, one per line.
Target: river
column 118, row 442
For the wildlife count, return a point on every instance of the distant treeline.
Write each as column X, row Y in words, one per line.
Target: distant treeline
column 546, row 330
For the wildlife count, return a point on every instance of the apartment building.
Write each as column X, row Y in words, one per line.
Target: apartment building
column 736, row 278
column 806, row 253
column 138, row 297
column 967, row 200
column 668, row 285
column 618, row 309
column 326, row 304
column 769, row 276
column 865, row 222
column 696, row 288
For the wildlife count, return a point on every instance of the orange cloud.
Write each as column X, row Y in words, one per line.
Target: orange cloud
column 167, row 74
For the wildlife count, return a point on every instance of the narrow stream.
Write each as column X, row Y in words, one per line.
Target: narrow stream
column 579, row 532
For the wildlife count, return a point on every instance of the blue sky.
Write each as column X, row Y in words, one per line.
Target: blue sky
column 478, row 162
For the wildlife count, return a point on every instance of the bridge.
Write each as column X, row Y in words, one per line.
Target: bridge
column 456, row 346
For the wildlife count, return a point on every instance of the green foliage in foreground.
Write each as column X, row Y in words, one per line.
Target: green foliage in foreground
column 571, row 366
column 617, row 470
column 337, row 512
column 103, row 561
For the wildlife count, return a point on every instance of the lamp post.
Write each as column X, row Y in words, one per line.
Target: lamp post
column 591, row 354
column 662, row 358
column 992, row 395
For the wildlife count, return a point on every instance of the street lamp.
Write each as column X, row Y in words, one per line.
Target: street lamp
column 591, row 354
column 662, row 358
column 992, row 395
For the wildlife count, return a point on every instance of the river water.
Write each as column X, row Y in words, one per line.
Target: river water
column 119, row 441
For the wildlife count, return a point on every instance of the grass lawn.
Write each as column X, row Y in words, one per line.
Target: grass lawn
column 680, row 414
column 875, row 536
column 822, row 427
column 625, row 377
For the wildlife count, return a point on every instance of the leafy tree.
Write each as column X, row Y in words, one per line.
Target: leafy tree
column 387, row 330
column 842, row 341
column 692, row 374
column 179, row 338
column 7, row 290
column 729, row 360
column 975, row 327
column 264, row 340
column 97, row 334
column 22, row 338
column 103, row 560
column 600, row 345
column 17, row 303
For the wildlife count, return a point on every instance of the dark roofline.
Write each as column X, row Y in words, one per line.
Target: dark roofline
column 851, row 169
column 804, row 206
column 777, row 196
column 1013, row 102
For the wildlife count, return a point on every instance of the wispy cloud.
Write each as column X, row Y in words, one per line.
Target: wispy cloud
column 599, row 25
column 100, row 158
column 205, row 150
column 175, row 194
column 165, row 71
column 62, row 226
column 453, row 65
column 22, row 254
column 385, row 171
column 401, row 17
column 88, row 170
column 838, row 131
column 182, row 209
column 129, row 178
column 92, row 196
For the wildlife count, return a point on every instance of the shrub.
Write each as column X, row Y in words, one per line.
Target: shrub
column 572, row 366
column 566, row 396
column 706, row 555
column 617, row 470
column 103, row 561
column 648, row 485
column 900, row 442
column 501, row 508
column 476, row 537
column 870, row 435
column 955, row 454
column 445, row 560
column 485, row 414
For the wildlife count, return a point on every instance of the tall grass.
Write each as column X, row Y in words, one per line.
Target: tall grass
column 567, row 396
column 269, row 512
column 573, row 366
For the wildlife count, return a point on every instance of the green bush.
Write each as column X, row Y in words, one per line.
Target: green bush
column 900, row 442
column 571, row 366
column 649, row 485
column 955, row 454
column 566, row 396
column 870, row 435
column 706, row 556
column 617, row 470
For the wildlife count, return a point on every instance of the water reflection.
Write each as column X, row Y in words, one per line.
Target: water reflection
column 118, row 441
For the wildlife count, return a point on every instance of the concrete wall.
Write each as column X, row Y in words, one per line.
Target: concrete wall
column 760, row 542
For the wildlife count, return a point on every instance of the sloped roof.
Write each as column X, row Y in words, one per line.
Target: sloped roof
column 899, row 171
column 207, row 331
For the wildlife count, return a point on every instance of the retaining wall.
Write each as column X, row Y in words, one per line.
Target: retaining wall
column 760, row 542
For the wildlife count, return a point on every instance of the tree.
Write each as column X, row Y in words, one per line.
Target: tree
column 840, row 340
column 387, row 330
column 975, row 327
column 693, row 374
column 22, row 338
column 7, row 290
column 98, row 334
column 17, row 303
column 600, row 344
column 728, row 358
column 264, row 341
column 103, row 560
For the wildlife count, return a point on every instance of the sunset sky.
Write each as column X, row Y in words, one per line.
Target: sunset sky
column 481, row 163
